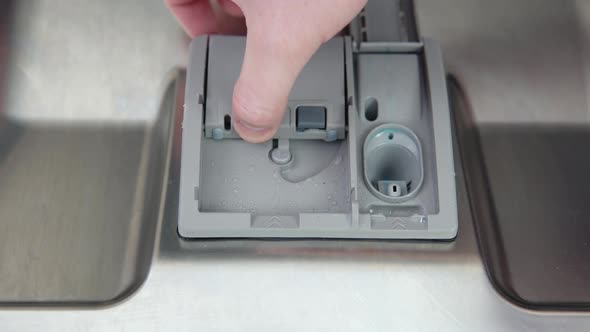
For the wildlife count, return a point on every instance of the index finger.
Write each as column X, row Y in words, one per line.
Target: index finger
column 196, row 16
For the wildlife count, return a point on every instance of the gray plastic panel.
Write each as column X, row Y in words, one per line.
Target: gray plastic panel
column 231, row 188
column 310, row 89
column 385, row 21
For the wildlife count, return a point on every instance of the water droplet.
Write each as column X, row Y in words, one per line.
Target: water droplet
column 212, row 164
column 334, row 203
column 251, row 168
column 338, row 160
column 329, row 197
column 223, row 203
column 234, row 180
column 235, row 191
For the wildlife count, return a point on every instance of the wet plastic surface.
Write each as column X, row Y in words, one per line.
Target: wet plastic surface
column 320, row 178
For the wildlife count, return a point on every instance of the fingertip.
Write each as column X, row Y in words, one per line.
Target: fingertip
column 253, row 134
column 256, row 117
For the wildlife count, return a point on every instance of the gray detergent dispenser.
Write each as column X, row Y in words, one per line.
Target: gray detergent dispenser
column 364, row 150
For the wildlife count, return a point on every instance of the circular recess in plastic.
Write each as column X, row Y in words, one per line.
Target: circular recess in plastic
column 280, row 157
column 392, row 163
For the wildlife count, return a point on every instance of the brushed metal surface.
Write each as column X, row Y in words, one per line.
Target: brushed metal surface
column 82, row 149
column 332, row 285
column 529, row 189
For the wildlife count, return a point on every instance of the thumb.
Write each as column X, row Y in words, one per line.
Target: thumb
column 273, row 59
column 282, row 36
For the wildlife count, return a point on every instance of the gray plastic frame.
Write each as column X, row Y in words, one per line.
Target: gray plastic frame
column 431, row 214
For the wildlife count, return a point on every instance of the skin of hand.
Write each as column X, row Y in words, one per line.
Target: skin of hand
column 282, row 35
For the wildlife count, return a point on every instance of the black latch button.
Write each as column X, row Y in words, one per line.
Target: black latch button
column 310, row 117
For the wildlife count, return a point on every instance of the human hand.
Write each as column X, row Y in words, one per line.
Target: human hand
column 282, row 35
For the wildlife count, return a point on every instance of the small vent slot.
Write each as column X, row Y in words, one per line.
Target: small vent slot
column 372, row 109
column 363, row 23
column 227, row 122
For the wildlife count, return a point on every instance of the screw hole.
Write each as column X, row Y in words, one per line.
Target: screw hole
column 227, row 122
column 390, row 136
column 371, row 109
